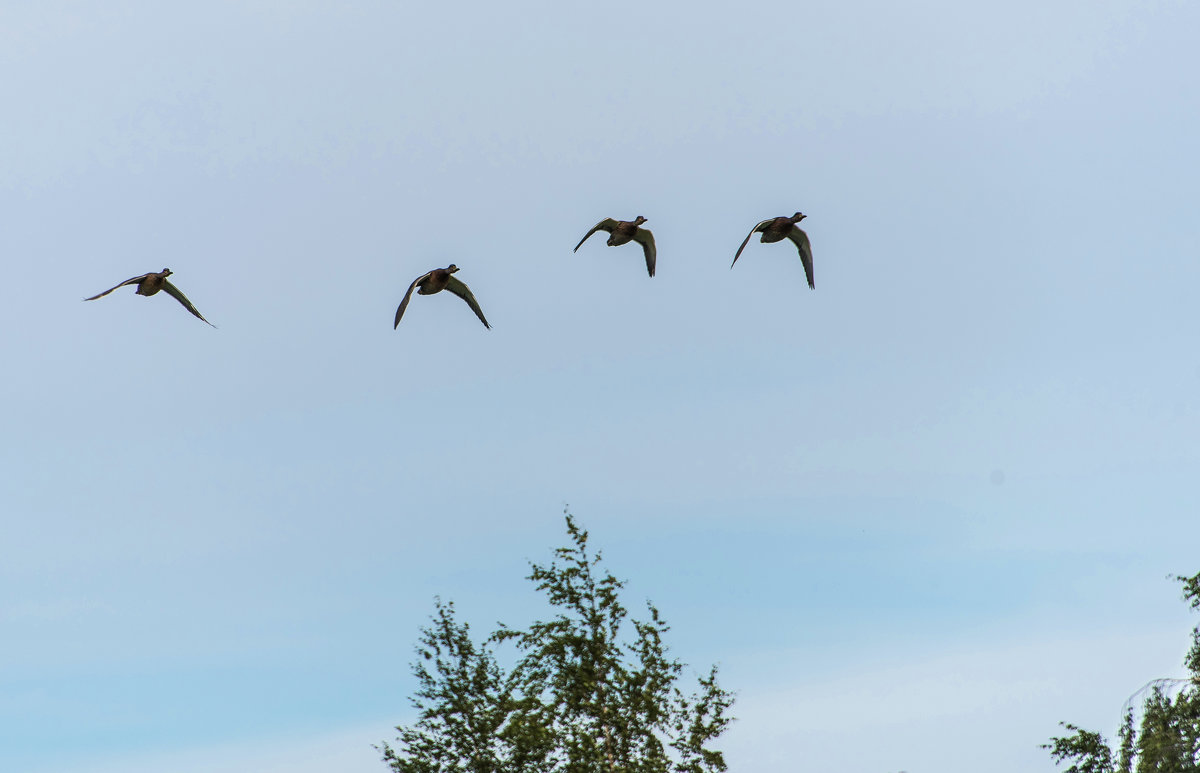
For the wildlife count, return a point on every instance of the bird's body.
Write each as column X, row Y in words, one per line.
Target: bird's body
column 151, row 284
column 624, row 231
column 434, row 282
column 776, row 230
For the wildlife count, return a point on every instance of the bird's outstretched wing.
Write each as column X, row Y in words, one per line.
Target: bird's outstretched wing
column 607, row 224
column 746, row 241
column 408, row 297
column 462, row 291
column 175, row 293
column 800, row 239
column 133, row 281
column 646, row 239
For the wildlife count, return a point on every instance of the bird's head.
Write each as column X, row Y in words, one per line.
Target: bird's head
column 451, row 268
column 639, row 220
column 796, row 218
column 166, row 272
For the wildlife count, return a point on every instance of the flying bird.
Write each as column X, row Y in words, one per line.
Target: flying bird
column 622, row 232
column 149, row 284
column 434, row 282
column 780, row 228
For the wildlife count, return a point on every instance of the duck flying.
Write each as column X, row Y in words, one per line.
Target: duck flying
column 780, row 228
column 622, row 232
column 434, row 282
column 149, row 284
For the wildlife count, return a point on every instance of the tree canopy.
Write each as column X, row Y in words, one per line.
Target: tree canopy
column 1166, row 740
column 589, row 690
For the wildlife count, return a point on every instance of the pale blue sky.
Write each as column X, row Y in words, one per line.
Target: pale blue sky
column 218, row 546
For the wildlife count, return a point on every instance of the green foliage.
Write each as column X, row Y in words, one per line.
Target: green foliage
column 586, row 694
column 1170, row 731
column 1168, row 738
column 462, row 703
column 1128, row 736
column 1191, row 593
column 1088, row 749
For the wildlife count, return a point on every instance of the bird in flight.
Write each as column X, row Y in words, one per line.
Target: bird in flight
column 623, row 232
column 149, row 284
column 780, row 228
column 434, row 282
